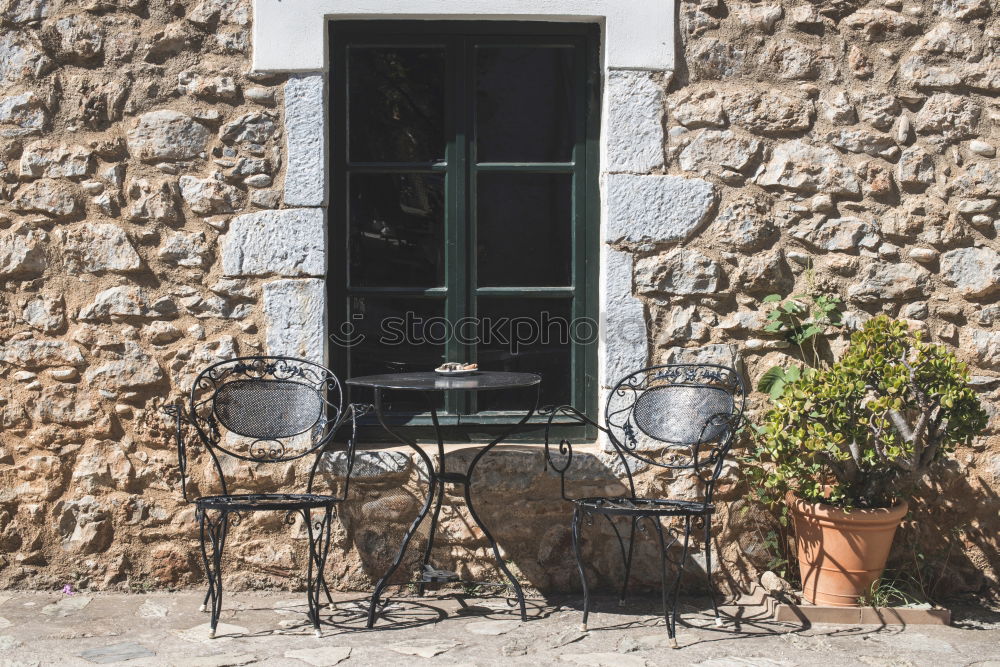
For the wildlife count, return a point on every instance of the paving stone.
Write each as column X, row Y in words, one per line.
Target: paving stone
column 566, row 637
column 199, row 633
column 290, row 606
column 116, row 653
column 604, row 660
column 221, row 660
column 740, row 662
column 492, row 628
column 423, row 648
column 152, row 609
column 326, row 656
column 66, row 606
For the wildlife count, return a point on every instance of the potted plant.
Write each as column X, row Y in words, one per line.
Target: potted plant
column 844, row 445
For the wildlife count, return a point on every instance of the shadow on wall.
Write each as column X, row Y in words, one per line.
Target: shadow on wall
column 521, row 505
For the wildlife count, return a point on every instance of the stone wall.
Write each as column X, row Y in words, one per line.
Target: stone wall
column 161, row 208
column 852, row 148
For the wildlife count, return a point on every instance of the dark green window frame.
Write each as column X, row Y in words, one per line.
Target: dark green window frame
column 460, row 38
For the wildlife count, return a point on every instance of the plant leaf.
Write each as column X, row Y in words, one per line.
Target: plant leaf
column 767, row 381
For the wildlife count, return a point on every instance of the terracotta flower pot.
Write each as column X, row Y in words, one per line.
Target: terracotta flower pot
column 841, row 553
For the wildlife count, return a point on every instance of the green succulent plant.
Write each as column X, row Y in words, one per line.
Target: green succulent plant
column 860, row 432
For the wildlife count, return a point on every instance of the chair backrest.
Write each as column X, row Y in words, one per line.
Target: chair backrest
column 265, row 409
column 680, row 416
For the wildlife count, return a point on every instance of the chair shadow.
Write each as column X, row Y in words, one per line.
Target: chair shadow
column 738, row 624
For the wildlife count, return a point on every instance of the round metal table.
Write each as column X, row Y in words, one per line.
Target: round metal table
column 428, row 384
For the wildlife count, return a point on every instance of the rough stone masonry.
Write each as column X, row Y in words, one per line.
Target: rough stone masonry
column 152, row 223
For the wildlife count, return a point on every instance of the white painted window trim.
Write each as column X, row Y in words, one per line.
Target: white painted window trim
column 638, row 56
column 290, row 35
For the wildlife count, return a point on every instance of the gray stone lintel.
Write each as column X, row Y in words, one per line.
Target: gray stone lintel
column 305, row 136
column 656, row 209
column 625, row 340
column 634, row 122
column 288, row 242
column 295, row 318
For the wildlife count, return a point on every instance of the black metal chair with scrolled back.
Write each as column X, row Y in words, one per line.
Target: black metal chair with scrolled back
column 680, row 417
column 265, row 410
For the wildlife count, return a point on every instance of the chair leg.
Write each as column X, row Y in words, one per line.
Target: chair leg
column 319, row 547
column 577, row 520
column 663, row 578
column 672, row 621
column 213, row 533
column 204, row 603
column 708, row 569
column 628, row 563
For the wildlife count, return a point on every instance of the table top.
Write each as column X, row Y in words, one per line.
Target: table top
column 431, row 381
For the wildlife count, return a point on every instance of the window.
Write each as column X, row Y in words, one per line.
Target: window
column 464, row 205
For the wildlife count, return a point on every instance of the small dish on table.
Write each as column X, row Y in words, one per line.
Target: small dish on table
column 456, row 369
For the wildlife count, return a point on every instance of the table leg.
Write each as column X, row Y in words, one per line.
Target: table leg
column 432, row 487
column 440, row 493
column 479, row 522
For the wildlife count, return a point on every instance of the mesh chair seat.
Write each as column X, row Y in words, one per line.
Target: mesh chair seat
column 644, row 507
column 261, row 502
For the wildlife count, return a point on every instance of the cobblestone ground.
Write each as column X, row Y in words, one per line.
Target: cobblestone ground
column 271, row 629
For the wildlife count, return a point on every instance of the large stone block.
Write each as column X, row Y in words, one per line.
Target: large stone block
column 49, row 196
column 54, row 160
column 723, row 153
column 882, row 281
column 26, row 112
column 975, row 272
column 295, row 317
column 635, row 121
column 795, row 165
column 209, row 196
column 166, row 135
column 305, row 136
column 289, row 242
column 657, row 209
column 22, row 251
column 36, row 353
column 21, row 57
column 95, row 247
column 681, row 271
column 129, row 368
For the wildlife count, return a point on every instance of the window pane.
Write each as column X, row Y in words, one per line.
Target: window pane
column 397, row 335
column 396, row 104
column 397, row 230
column 534, row 338
column 524, row 104
column 524, row 226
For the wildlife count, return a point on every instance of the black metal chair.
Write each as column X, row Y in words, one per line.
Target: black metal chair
column 678, row 416
column 265, row 410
